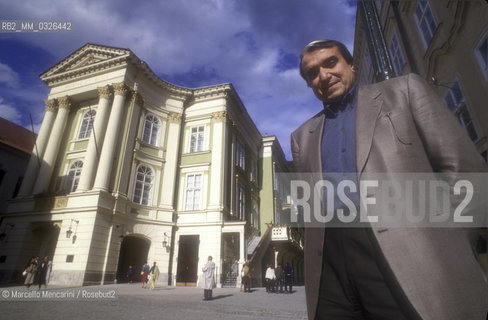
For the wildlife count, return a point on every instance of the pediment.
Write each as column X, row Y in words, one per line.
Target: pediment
column 87, row 55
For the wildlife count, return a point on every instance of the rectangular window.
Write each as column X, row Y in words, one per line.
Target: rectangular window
column 481, row 53
column 193, row 192
column 396, row 56
column 425, row 21
column 255, row 214
column 240, row 160
column 454, row 99
column 197, row 135
column 241, row 205
column 254, row 171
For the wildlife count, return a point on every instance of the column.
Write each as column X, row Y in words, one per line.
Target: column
column 39, row 148
column 52, row 149
column 105, row 165
column 95, row 143
column 171, row 164
column 128, row 143
column 217, row 173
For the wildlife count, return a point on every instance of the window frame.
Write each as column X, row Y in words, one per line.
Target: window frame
column 241, row 156
column 84, row 131
column 198, row 142
column 397, row 53
column 254, row 212
column 194, row 205
column 460, row 107
column 425, row 10
column 481, row 61
column 241, row 203
column 73, row 175
column 154, row 123
column 144, row 191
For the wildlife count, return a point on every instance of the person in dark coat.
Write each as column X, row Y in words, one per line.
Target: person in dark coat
column 42, row 272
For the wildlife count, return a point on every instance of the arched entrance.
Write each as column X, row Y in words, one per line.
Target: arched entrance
column 133, row 252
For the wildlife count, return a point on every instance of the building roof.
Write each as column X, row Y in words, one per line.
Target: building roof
column 16, row 137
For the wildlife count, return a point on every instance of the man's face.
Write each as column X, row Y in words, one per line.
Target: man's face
column 328, row 74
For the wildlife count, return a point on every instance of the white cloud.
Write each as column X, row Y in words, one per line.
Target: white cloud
column 8, row 77
column 10, row 113
column 238, row 41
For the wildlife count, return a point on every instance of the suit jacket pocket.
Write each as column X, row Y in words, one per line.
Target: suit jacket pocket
column 399, row 123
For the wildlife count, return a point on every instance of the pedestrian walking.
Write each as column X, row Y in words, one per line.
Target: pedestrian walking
column 154, row 275
column 30, row 272
column 288, row 271
column 246, row 278
column 42, row 271
column 270, row 279
column 48, row 270
column 208, row 278
column 130, row 274
column 279, row 279
column 144, row 274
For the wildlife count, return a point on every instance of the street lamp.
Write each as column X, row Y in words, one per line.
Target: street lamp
column 165, row 241
column 69, row 232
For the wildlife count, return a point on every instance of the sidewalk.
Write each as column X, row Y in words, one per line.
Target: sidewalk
column 133, row 302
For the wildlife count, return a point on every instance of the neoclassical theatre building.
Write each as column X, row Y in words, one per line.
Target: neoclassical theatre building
column 129, row 168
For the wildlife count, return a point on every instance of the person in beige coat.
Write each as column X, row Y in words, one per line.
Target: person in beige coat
column 395, row 126
column 208, row 281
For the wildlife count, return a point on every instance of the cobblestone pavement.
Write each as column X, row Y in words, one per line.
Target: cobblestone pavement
column 134, row 302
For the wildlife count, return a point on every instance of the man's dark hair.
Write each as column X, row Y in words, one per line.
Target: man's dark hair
column 319, row 44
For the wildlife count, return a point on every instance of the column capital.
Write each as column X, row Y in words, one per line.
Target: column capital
column 219, row 116
column 104, row 92
column 51, row 104
column 64, row 102
column 120, row 89
column 174, row 117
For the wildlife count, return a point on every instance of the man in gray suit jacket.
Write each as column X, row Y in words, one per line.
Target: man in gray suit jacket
column 398, row 126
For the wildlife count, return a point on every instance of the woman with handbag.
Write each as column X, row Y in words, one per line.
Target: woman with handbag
column 31, row 271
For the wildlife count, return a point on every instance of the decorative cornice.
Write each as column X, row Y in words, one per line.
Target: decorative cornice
column 120, row 89
column 219, row 116
column 104, row 92
column 64, row 103
column 174, row 117
column 51, row 105
column 220, row 91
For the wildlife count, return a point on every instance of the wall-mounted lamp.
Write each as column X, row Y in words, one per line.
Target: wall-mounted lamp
column 165, row 241
column 69, row 232
column 6, row 229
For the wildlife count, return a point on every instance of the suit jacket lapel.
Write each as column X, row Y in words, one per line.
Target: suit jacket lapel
column 316, row 130
column 368, row 108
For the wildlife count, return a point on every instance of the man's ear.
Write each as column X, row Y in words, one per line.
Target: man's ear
column 352, row 68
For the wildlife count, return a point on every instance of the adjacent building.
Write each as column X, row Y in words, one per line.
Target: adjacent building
column 129, row 168
column 446, row 42
column 16, row 145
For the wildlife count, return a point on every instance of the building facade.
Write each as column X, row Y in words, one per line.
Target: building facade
column 16, row 145
column 446, row 42
column 134, row 169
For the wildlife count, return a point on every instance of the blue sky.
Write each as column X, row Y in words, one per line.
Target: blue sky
column 253, row 44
